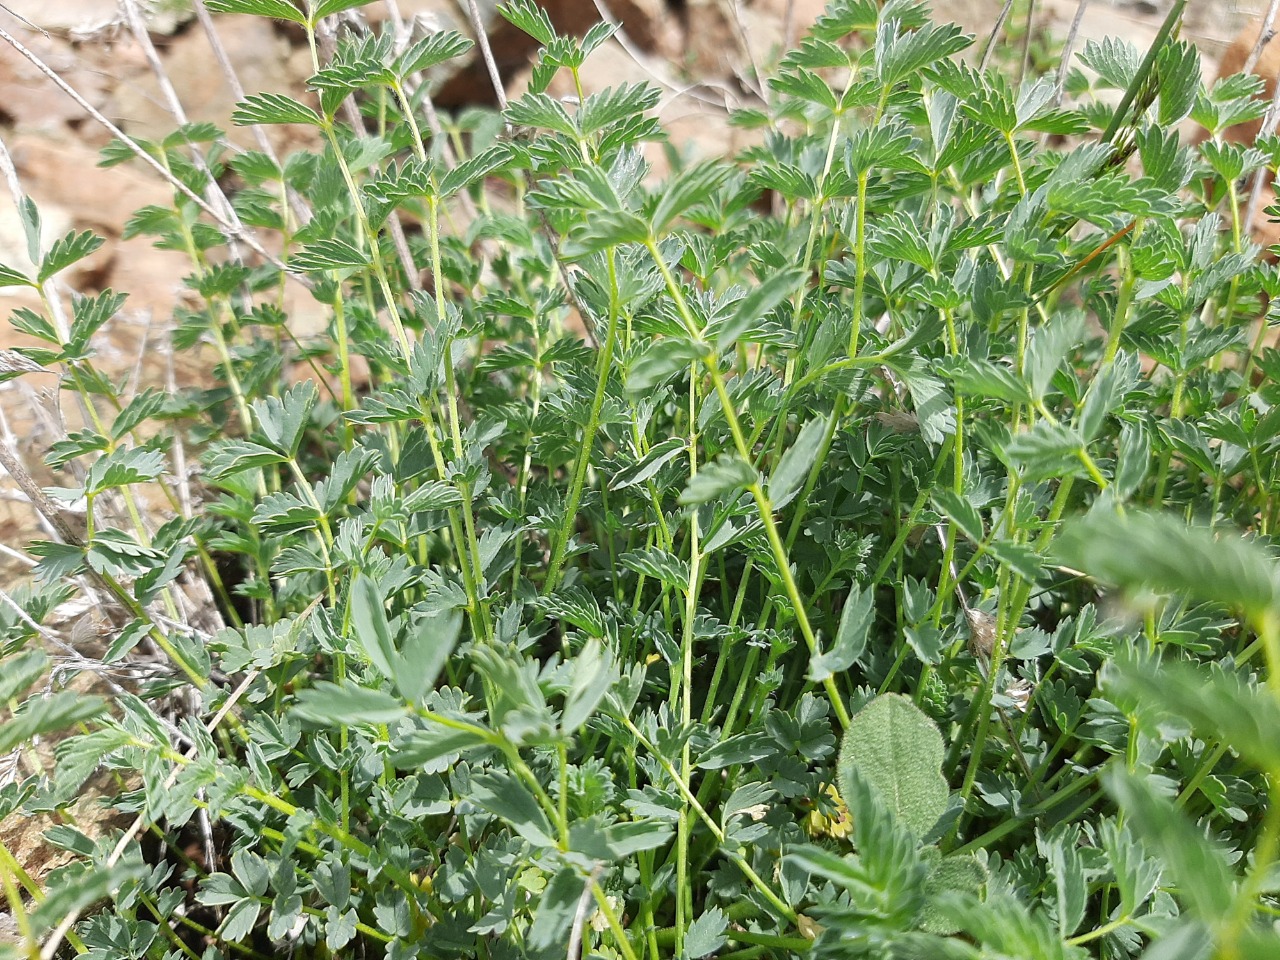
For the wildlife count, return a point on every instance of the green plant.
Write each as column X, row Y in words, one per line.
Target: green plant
column 547, row 640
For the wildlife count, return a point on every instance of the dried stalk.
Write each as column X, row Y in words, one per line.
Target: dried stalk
column 296, row 203
column 995, row 35
column 51, row 945
column 1065, row 63
column 1269, row 121
column 142, row 37
column 39, row 499
column 1265, row 35
column 580, row 915
column 656, row 68
column 229, row 230
column 486, row 53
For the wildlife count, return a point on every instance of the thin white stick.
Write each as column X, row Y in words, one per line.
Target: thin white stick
column 744, row 40
column 18, row 554
column 73, row 659
column 227, row 229
column 296, row 203
column 580, row 916
column 1067, row 48
column 1268, row 127
column 995, row 35
column 142, row 37
column 486, row 53
column 1266, row 31
column 135, row 378
column 654, row 67
column 50, row 949
column 183, row 481
column 25, row 21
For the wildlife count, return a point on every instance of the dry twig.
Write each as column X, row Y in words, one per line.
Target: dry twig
column 228, row 229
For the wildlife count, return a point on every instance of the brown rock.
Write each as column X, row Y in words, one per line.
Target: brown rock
column 650, row 24
column 1268, row 66
column 64, row 14
column 258, row 53
column 712, row 44
column 84, row 17
column 1265, row 233
column 700, row 131
column 512, row 50
column 30, row 101
column 72, row 192
column 771, row 24
column 8, row 929
column 428, row 14
column 64, row 173
column 55, row 220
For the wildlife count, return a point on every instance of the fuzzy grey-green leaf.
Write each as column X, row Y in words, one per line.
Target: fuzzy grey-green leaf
column 898, row 751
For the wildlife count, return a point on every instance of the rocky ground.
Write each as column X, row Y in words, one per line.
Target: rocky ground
column 54, row 145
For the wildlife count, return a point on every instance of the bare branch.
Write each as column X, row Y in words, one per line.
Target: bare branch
column 1266, row 31
column 1065, row 63
column 229, row 230
column 486, row 53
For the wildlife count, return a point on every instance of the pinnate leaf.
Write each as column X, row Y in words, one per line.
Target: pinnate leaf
column 530, row 18
column 706, row 934
column 276, row 9
column 66, row 251
column 755, row 306
column 273, row 108
column 789, row 475
column 1198, row 866
column 9, row 277
column 1161, row 554
column 721, row 477
column 851, row 637
column 335, row 705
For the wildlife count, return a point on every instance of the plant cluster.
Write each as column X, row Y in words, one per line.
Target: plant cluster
column 703, row 567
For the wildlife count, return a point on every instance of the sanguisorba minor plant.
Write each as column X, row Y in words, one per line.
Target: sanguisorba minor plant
column 700, row 570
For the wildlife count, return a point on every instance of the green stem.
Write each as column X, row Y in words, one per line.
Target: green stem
column 603, row 366
column 1010, row 824
column 1102, row 931
column 1129, row 279
column 752, row 877
column 684, row 895
column 763, row 507
column 1007, row 625
column 1144, row 71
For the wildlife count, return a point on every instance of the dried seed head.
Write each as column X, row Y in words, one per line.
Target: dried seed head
column 809, row 928
column 599, row 922
column 1019, row 691
column 899, row 421
column 982, row 632
column 13, row 362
